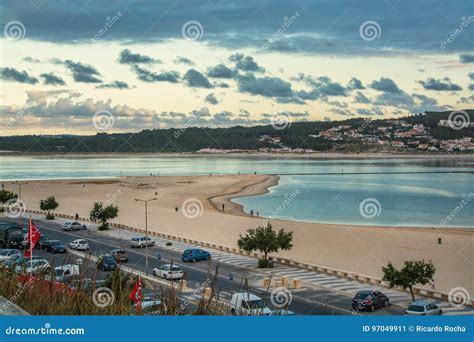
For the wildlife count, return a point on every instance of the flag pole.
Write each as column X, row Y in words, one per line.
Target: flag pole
column 31, row 241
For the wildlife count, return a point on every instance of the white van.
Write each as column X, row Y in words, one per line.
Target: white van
column 243, row 303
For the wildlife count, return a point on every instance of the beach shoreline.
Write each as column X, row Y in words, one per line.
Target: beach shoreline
column 250, row 155
column 362, row 249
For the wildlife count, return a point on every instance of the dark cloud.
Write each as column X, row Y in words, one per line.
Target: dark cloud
column 322, row 88
column 83, row 73
column 245, row 63
column 51, row 79
column 183, row 60
column 361, row 98
column 11, row 74
column 291, row 99
column 210, row 98
column 242, row 24
column 264, row 86
column 471, row 86
column 469, row 99
column 128, row 57
column 355, row 84
column 150, row 76
column 195, row 79
column 385, row 85
column 440, row 85
column 466, row 58
column 115, row 85
column 220, row 71
column 31, row 60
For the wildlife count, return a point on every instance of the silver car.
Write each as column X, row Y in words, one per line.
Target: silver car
column 142, row 241
column 73, row 225
column 423, row 308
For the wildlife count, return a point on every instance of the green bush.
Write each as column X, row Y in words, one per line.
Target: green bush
column 263, row 263
column 49, row 216
column 104, row 226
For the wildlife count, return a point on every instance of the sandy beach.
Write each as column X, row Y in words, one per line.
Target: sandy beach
column 199, row 199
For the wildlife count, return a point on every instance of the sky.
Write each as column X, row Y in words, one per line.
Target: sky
column 80, row 67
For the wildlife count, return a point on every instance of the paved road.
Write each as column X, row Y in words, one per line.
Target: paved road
column 304, row 302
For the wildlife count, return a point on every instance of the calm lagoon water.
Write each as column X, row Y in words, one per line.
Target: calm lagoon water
column 406, row 198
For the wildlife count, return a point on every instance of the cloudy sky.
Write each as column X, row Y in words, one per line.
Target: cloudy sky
column 155, row 64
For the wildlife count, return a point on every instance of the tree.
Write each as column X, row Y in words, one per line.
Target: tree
column 5, row 195
column 103, row 214
column 265, row 240
column 413, row 272
column 48, row 205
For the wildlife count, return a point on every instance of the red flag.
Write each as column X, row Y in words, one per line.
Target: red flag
column 34, row 236
column 137, row 293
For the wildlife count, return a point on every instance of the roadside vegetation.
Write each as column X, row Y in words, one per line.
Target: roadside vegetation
column 101, row 213
column 412, row 273
column 48, row 205
column 265, row 240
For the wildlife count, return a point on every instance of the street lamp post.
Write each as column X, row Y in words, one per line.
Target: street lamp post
column 19, row 200
column 146, row 227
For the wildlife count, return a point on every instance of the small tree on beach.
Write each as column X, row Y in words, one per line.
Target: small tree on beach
column 5, row 195
column 103, row 214
column 265, row 240
column 413, row 272
column 48, row 205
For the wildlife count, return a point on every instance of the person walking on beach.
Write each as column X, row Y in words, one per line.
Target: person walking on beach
column 223, row 206
column 251, row 212
column 77, row 216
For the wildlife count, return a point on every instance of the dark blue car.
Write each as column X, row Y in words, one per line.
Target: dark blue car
column 193, row 255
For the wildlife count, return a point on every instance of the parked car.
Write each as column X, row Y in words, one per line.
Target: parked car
column 369, row 300
column 423, row 308
column 196, row 254
column 34, row 266
column 168, row 271
column 66, row 273
column 42, row 243
column 56, row 246
column 107, row 263
column 244, row 303
column 142, row 241
column 17, row 260
column 7, row 253
column 86, row 284
column 79, row 245
column 73, row 225
column 120, row 254
column 282, row 312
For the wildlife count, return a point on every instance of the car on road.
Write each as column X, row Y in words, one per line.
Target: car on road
column 169, row 272
column 86, row 284
column 56, row 246
column 423, row 308
column 73, row 225
column 106, row 262
column 42, row 243
column 66, row 273
column 16, row 260
column 369, row 300
column 195, row 254
column 79, row 245
column 141, row 241
column 248, row 304
column 120, row 254
column 282, row 312
column 7, row 253
column 35, row 266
